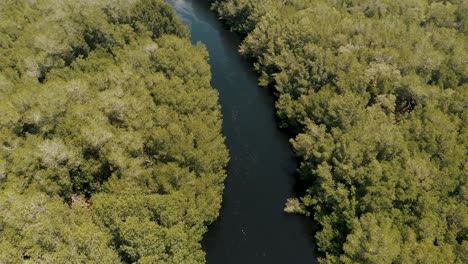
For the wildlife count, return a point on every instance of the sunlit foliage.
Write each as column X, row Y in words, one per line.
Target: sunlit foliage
column 110, row 144
column 376, row 94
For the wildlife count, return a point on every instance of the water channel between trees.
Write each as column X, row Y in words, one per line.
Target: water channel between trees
column 252, row 227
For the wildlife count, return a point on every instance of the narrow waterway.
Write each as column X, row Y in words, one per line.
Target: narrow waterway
column 252, row 227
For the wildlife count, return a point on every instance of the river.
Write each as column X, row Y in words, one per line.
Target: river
column 252, row 227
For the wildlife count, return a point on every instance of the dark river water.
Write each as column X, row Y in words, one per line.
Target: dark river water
column 252, row 227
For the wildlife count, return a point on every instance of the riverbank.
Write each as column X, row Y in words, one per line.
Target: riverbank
column 252, row 227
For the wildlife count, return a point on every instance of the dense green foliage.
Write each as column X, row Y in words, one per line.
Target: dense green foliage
column 376, row 93
column 110, row 144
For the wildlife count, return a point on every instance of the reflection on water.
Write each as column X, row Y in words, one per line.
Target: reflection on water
column 185, row 12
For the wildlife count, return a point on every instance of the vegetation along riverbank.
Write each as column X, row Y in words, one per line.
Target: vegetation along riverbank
column 110, row 134
column 376, row 95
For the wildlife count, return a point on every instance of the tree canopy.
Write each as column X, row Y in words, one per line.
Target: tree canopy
column 375, row 93
column 110, row 134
